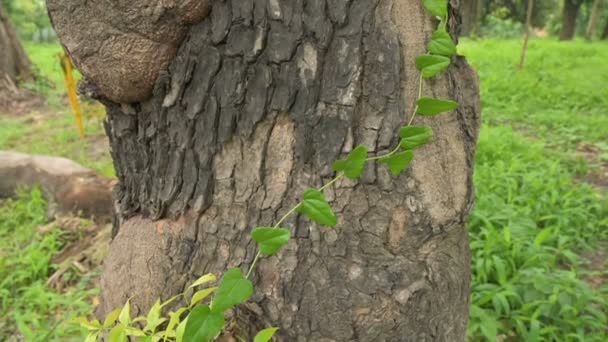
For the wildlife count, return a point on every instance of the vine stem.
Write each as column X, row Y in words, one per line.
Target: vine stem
column 396, row 149
column 289, row 213
column 335, row 179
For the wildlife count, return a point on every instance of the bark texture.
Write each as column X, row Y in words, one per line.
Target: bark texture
column 121, row 46
column 569, row 15
column 69, row 187
column 14, row 63
column 260, row 99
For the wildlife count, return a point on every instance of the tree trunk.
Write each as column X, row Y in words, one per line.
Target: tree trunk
column 14, row 63
column 569, row 15
column 605, row 33
column 471, row 12
column 260, row 99
column 594, row 16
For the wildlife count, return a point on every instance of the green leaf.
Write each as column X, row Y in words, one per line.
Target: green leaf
column 437, row 8
column 354, row 163
column 203, row 324
column 174, row 319
column 431, row 65
column 431, row 106
column 93, row 325
column 179, row 332
column 265, row 335
column 234, row 289
column 118, row 334
column 441, row 44
column 270, row 239
column 207, row 278
column 153, row 318
column 131, row 331
column 111, row 318
column 125, row 314
column 200, row 295
column 414, row 136
column 92, row 336
column 398, row 162
column 315, row 207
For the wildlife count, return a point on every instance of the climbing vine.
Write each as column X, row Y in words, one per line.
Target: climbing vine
column 203, row 319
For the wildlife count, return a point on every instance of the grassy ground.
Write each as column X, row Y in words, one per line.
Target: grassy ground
column 52, row 130
column 534, row 221
column 536, row 224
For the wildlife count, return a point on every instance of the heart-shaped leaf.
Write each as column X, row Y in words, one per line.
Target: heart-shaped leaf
column 203, row 324
column 234, row 289
column 431, row 106
column 441, row 44
column 315, row 207
column 270, row 239
column 414, row 136
column 398, row 162
column 431, row 65
column 354, row 163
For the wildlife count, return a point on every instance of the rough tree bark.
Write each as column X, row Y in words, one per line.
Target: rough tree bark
column 260, row 98
column 569, row 15
column 14, row 63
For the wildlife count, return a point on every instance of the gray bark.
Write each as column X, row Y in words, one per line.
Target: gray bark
column 260, row 98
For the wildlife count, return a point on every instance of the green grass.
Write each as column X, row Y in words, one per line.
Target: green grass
column 534, row 217
column 53, row 131
column 529, row 225
column 560, row 95
column 29, row 310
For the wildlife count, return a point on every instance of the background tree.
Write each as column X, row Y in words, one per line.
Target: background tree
column 14, row 63
column 594, row 15
column 218, row 128
column 569, row 15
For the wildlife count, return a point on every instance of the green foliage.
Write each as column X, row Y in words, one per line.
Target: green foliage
column 203, row 324
column 29, row 18
column 30, row 310
column 270, row 239
column 315, row 207
column 353, row 165
column 430, row 106
column 441, row 44
column 233, row 290
column 398, row 162
column 558, row 96
column 530, row 221
column 265, row 335
column 497, row 27
column 438, row 8
column 414, row 136
column 431, row 65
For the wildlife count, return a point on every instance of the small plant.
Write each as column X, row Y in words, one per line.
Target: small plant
column 203, row 320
